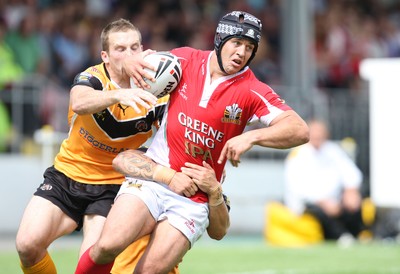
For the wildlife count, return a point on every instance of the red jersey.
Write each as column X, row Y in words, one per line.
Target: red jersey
column 201, row 116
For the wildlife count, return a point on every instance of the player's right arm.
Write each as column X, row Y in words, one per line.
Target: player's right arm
column 134, row 163
column 87, row 100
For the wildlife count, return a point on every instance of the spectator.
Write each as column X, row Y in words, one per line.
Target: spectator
column 9, row 69
column 24, row 41
column 5, row 129
column 321, row 179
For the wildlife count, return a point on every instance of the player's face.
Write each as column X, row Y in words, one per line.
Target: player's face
column 121, row 45
column 235, row 53
column 318, row 134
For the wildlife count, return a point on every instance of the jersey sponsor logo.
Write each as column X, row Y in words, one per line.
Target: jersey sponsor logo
column 200, row 137
column 96, row 144
column 232, row 114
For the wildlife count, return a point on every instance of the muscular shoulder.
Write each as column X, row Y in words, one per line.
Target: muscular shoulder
column 95, row 77
column 188, row 53
column 261, row 92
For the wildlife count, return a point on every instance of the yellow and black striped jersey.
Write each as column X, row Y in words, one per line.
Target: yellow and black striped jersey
column 95, row 139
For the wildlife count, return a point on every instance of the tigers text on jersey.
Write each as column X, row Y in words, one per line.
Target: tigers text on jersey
column 94, row 140
column 201, row 116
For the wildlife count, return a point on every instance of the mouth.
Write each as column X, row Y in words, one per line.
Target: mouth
column 236, row 62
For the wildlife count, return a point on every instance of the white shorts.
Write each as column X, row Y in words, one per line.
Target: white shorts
column 189, row 217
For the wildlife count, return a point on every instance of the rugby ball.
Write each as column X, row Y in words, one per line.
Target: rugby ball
column 168, row 73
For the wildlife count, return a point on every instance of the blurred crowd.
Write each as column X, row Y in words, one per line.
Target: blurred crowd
column 347, row 32
column 58, row 38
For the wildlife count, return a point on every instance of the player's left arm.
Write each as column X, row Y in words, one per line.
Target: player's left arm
column 218, row 216
column 135, row 66
column 218, row 204
column 287, row 130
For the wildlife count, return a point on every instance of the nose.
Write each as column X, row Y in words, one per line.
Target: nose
column 129, row 52
column 241, row 50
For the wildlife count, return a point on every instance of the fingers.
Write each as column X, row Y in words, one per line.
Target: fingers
column 147, row 67
column 135, row 107
column 222, row 155
column 142, row 82
column 139, row 70
column 137, row 79
column 191, row 190
column 136, row 97
column 140, row 76
column 147, row 52
column 234, row 163
column 230, row 154
column 206, row 165
column 192, row 166
column 135, row 103
column 195, row 183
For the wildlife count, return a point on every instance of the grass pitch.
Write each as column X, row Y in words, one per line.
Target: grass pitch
column 251, row 255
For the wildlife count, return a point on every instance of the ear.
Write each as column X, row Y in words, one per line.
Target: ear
column 104, row 57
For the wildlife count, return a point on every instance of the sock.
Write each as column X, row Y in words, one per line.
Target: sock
column 44, row 266
column 87, row 266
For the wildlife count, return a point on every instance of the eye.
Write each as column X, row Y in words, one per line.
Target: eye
column 250, row 47
column 120, row 49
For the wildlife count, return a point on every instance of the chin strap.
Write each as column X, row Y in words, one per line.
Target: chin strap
column 220, row 62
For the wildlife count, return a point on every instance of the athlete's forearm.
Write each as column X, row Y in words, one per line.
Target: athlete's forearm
column 134, row 163
column 286, row 131
column 86, row 100
column 218, row 215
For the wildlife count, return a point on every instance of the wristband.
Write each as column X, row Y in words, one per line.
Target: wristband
column 220, row 199
column 163, row 174
column 217, row 202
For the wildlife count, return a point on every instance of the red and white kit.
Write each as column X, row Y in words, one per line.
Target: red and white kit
column 200, row 117
column 205, row 115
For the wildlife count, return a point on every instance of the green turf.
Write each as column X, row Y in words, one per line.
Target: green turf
column 254, row 256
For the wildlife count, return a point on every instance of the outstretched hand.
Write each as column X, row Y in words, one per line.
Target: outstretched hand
column 135, row 67
column 234, row 148
column 135, row 97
